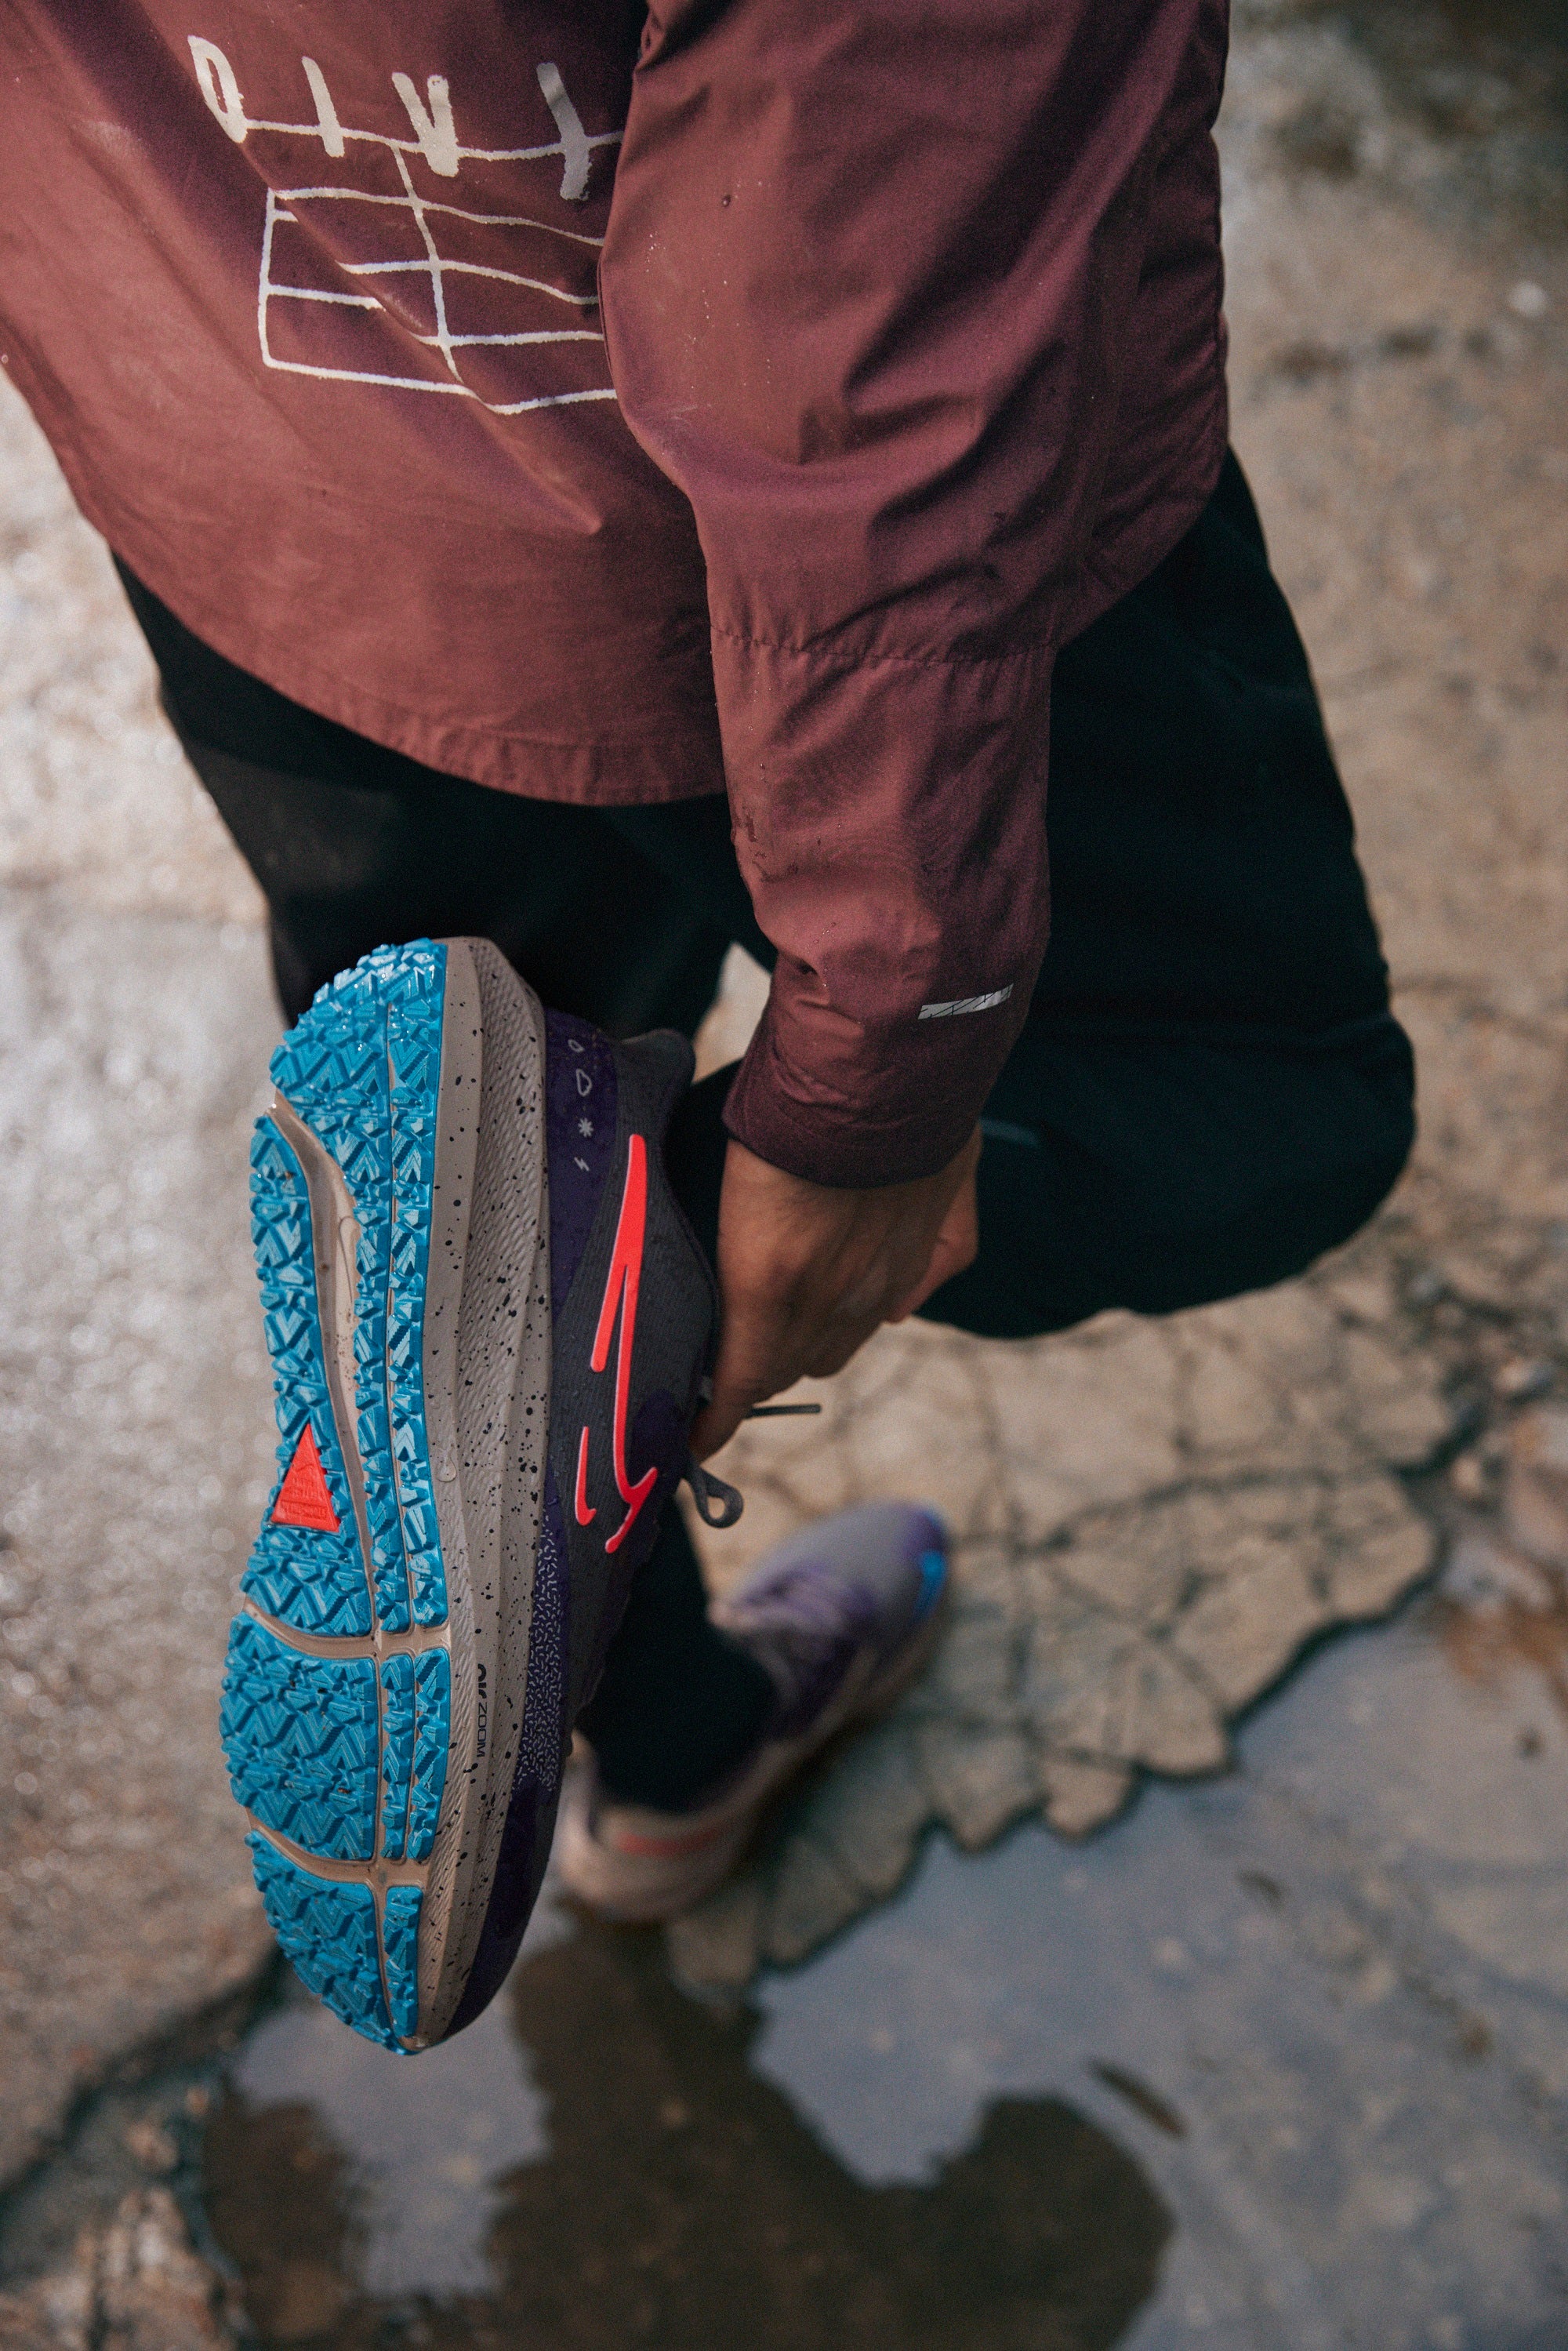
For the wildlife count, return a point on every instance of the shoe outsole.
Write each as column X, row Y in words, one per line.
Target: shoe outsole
column 354, row 1698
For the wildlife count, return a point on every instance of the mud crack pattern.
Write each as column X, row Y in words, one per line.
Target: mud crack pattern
column 1149, row 1521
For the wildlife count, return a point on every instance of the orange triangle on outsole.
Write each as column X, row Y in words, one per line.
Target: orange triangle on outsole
column 302, row 1499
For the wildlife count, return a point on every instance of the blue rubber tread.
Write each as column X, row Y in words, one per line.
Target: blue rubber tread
column 328, row 1933
column 400, row 1941
column 309, row 1578
column 414, row 1758
column 300, row 1735
column 362, row 1068
column 397, row 1753
column 332, row 1067
column 431, row 1734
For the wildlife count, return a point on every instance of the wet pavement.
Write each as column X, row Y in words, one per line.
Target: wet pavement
column 1280, row 2063
column 1278, row 2059
column 1282, row 2060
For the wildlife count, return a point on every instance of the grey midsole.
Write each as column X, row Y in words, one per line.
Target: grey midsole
column 484, row 1366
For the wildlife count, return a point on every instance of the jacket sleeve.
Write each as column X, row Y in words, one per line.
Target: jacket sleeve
column 867, row 288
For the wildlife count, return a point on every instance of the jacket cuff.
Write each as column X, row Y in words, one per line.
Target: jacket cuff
column 913, row 1110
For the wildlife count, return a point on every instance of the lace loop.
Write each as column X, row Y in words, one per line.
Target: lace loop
column 719, row 1503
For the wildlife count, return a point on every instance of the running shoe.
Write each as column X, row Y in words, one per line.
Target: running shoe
column 842, row 1615
column 488, row 1322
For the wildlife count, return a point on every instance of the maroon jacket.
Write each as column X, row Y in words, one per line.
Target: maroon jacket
column 910, row 361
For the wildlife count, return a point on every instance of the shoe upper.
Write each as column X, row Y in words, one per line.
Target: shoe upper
column 839, row 1616
column 635, row 1317
column 852, row 1588
column 634, row 1314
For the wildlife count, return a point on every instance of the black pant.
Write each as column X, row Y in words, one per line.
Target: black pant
column 1209, row 1090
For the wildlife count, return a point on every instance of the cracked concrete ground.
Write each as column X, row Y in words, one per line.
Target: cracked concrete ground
column 1153, row 1519
column 1150, row 1521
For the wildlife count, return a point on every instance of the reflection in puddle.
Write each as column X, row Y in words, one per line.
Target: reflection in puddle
column 631, row 2179
column 423, row 2143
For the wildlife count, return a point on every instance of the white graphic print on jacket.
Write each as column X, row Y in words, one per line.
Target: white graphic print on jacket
column 404, row 258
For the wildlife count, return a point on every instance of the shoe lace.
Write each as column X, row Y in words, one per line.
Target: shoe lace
column 719, row 1503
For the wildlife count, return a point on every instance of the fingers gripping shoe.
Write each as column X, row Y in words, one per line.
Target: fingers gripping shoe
column 842, row 1615
column 487, row 1321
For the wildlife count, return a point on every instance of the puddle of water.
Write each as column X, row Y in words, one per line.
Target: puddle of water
column 597, row 2163
column 1324, row 2004
column 423, row 2152
column 1281, row 2059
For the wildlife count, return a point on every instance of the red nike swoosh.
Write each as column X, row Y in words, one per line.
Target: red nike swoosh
column 621, row 1295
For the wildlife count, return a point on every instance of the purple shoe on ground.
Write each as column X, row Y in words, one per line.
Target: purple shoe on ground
column 843, row 1616
column 489, row 1322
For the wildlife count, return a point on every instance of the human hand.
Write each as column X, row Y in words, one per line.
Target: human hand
column 806, row 1272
